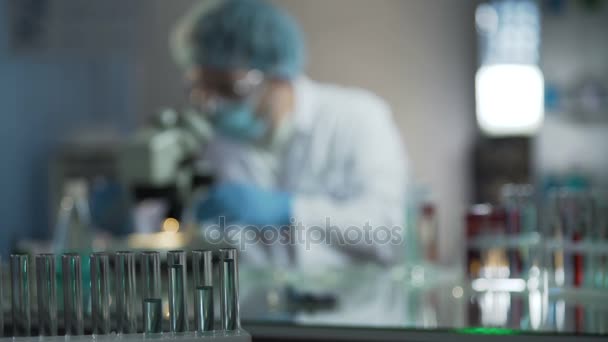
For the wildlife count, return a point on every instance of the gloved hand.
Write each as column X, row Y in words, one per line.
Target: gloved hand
column 246, row 204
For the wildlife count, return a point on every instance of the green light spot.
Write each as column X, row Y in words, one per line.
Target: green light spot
column 487, row 331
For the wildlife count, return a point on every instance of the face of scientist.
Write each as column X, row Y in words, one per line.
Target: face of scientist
column 242, row 104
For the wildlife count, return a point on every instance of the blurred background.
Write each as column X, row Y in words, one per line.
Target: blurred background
column 78, row 80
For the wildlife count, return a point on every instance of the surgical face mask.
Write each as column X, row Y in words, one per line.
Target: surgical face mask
column 232, row 110
column 238, row 121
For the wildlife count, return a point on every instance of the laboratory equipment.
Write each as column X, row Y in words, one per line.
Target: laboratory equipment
column 178, row 311
column 177, row 301
column 155, row 154
column 558, row 235
column 204, row 308
column 576, row 226
column 428, row 232
column 126, row 292
column 504, row 238
column 158, row 161
column 47, row 295
column 521, row 219
column 202, row 271
column 229, row 292
column 20, row 287
column 153, row 315
column 101, row 320
column 100, row 293
column 72, row 294
column 101, row 181
column 73, row 230
column 151, row 292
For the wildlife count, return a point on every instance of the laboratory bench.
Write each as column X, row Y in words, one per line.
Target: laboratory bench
column 415, row 303
column 409, row 302
column 374, row 304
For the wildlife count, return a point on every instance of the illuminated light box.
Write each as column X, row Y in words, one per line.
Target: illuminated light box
column 509, row 99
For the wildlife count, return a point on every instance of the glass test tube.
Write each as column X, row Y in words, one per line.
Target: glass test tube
column 22, row 320
column 178, row 313
column 126, row 301
column 47, row 295
column 202, row 271
column 151, row 292
column 100, row 293
column 229, row 289
column 72, row 294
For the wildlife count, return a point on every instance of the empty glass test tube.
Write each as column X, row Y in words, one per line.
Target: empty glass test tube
column 100, row 293
column 151, row 292
column 202, row 271
column 178, row 313
column 47, row 295
column 22, row 320
column 72, row 294
column 229, row 289
column 126, row 301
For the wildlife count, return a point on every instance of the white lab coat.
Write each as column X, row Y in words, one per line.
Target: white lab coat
column 343, row 160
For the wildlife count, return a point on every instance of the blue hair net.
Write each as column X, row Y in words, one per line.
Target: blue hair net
column 250, row 34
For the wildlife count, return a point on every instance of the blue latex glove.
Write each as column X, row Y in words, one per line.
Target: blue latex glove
column 246, row 204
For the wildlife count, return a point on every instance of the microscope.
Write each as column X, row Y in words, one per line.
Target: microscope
column 160, row 160
column 135, row 184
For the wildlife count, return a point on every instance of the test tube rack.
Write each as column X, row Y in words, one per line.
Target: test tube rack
column 220, row 336
column 130, row 292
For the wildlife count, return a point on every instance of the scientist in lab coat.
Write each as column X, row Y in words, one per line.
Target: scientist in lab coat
column 324, row 162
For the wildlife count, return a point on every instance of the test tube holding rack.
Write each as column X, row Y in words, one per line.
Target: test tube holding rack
column 138, row 312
